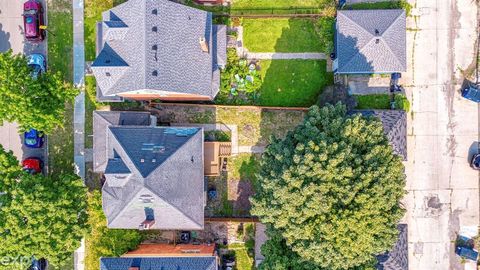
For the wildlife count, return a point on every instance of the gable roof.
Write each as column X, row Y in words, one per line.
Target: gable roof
column 150, row 46
column 151, row 172
column 397, row 258
column 168, row 263
column 395, row 127
column 371, row 41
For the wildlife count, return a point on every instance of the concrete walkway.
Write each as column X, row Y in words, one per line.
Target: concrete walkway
column 79, row 108
column 79, row 82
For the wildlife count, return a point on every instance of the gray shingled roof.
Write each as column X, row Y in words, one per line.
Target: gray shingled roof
column 149, row 171
column 397, row 258
column 168, row 263
column 371, row 41
column 141, row 38
column 395, row 128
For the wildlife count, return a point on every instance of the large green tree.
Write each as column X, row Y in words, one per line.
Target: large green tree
column 332, row 189
column 33, row 103
column 40, row 216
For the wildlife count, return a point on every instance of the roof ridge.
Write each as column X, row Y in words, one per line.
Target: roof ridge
column 385, row 32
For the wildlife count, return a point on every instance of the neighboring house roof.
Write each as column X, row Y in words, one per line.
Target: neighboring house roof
column 397, row 258
column 395, row 128
column 172, row 263
column 152, row 173
column 371, row 41
column 153, row 47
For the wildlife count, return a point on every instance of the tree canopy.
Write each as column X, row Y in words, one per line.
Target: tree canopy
column 40, row 216
column 331, row 189
column 33, row 103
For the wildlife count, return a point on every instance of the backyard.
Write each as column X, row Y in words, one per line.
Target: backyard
column 279, row 3
column 288, row 35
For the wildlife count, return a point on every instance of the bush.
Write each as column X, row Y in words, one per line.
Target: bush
column 102, row 241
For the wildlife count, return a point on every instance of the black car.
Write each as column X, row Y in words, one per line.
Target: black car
column 41, row 264
column 475, row 163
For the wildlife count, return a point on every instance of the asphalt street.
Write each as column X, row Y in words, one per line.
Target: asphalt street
column 443, row 191
column 11, row 37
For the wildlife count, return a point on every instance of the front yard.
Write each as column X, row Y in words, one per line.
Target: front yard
column 60, row 56
column 279, row 3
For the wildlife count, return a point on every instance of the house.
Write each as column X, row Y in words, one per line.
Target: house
column 158, row 49
column 397, row 258
column 395, row 127
column 370, row 41
column 154, row 176
column 166, row 257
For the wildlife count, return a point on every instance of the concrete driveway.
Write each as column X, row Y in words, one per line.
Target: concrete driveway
column 443, row 198
column 11, row 37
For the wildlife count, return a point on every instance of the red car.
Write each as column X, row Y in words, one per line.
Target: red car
column 32, row 165
column 32, row 20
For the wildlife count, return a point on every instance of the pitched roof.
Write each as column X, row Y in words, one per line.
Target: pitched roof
column 397, row 258
column 154, row 172
column 154, row 46
column 103, row 119
column 395, row 128
column 371, row 41
column 168, row 263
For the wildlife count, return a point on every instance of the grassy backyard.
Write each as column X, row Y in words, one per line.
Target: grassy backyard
column 254, row 126
column 402, row 4
column 293, row 83
column 279, row 3
column 281, row 35
column 60, row 57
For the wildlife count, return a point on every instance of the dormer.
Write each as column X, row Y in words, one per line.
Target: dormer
column 117, row 173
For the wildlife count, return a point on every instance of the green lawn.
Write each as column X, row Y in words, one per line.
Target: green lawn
column 402, row 4
column 293, row 83
column 281, row 35
column 60, row 58
column 381, row 102
column 278, row 3
column 243, row 258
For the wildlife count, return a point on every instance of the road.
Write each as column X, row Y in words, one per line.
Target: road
column 443, row 132
column 11, row 37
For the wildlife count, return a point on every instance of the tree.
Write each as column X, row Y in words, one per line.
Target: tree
column 40, row 216
column 332, row 189
column 102, row 241
column 33, row 103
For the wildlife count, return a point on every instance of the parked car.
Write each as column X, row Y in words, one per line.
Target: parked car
column 467, row 253
column 33, row 19
column 471, row 92
column 34, row 138
column 41, row 264
column 32, row 165
column 475, row 163
column 37, row 63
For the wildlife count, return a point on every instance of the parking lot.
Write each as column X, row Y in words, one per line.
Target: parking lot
column 11, row 37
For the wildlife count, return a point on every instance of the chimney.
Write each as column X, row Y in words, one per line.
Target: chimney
column 146, row 224
column 133, row 268
column 203, row 44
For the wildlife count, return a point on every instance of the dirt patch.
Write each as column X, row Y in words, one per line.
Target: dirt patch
column 239, row 192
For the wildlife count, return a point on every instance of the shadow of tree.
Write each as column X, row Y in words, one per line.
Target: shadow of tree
column 4, row 40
